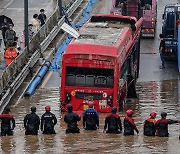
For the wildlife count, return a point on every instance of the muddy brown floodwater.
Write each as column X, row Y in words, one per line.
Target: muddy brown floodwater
column 152, row 96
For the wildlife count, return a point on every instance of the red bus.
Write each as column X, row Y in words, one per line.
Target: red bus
column 102, row 64
column 139, row 8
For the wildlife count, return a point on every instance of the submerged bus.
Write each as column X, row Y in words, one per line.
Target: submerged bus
column 102, row 64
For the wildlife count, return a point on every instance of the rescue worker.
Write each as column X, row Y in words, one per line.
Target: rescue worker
column 162, row 125
column 113, row 122
column 10, row 36
column 7, row 123
column 90, row 118
column 32, row 122
column 149, row 125
column 71, row 119
column 48, row 121
column 10, row 54
column 129, row 125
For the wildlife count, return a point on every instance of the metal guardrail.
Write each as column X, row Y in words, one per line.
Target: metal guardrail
column 38, row 44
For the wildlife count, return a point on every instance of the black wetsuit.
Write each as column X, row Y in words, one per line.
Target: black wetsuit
column 48, row 121
column 162, row 127
column 113, row 122
column 129, row 126
column 71, row 119
column 6, row 121
column 90, row 119
column 31, row 124
column 149, row 127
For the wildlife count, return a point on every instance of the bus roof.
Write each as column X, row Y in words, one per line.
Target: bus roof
column 102, row 36
column 100, row 33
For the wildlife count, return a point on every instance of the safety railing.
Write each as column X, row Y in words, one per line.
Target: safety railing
column 37, row 43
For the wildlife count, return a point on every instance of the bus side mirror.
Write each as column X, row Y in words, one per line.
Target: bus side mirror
column 163, row 16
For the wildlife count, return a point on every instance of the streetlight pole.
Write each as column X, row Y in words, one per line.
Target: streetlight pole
column 26, row 25
column 60, row 7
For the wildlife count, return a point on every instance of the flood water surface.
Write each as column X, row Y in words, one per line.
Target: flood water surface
column 152, row 96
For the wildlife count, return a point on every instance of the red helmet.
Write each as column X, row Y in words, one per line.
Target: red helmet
column 129, row 112
column 90, row 104
column 47, row 108
column 153, row 114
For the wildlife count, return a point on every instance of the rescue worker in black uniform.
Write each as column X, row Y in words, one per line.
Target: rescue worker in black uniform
column 32, row 122
column 162, row 125
column 90, row 118
column 129, row 125
column 48, row 121
column 113, row 122
column 71, row 119
column 7, row 123
column 149, row 125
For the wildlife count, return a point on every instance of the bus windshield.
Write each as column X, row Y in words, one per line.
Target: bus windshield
column 89, row 77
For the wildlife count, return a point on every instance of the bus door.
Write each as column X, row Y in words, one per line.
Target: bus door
column 123, row 81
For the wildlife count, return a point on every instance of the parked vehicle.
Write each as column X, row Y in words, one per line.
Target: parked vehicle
column 102, row 64
column 149, row 14
column 171, row 17
column 139, row 8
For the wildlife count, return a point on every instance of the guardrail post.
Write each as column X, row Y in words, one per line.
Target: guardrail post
column 60, row 7
column 26, row 24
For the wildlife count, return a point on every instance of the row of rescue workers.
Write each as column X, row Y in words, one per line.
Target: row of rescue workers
column 90, row 122
column 113, row 122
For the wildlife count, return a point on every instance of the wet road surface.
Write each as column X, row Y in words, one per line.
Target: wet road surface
column 158, row 90
column 150, row 59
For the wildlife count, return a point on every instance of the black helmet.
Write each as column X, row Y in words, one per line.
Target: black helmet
column 7, row 110
column 70, row 108
column 114, row 110
column 33, row 109
column 163, row 114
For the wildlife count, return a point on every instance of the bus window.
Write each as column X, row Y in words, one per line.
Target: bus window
column 80, row 79
column 118, row 3
column 146, row 4
column 124, row 70
column 70, row 79
column 90, row 77
column 90, row 80
column 110, row 81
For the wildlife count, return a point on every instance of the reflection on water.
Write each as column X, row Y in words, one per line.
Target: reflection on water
column 153, row 96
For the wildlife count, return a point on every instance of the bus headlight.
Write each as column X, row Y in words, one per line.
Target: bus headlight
column 110, row 100
column 68, row 97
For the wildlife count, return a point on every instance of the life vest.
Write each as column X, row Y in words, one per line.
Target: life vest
column 90, row 118
column 149, row 127
column 10, row 54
